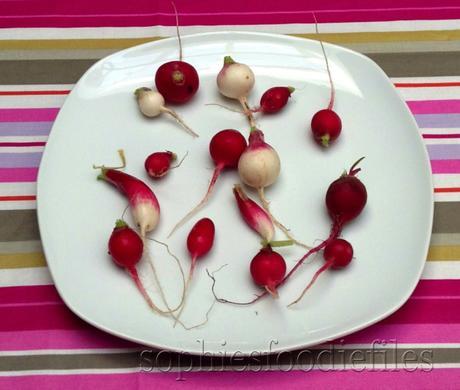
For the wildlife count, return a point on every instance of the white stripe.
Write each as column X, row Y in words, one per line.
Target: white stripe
column 441, row 270
column 8, row 189
column 24, row 138
column 294, row 28
column 18, row 205
column 25, row 277
column 71, row 351
column 35, row 101
column 21, row 149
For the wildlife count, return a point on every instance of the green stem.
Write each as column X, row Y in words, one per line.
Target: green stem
column 277, row 244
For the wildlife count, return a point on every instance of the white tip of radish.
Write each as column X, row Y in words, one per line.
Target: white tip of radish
column 151, row 103
column 146, row 216
column 260, row 167
column 235, row 80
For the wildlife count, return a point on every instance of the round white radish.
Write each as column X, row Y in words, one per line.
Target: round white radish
column 235, row 80
column 151, row 103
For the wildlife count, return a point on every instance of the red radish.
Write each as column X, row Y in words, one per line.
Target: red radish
column 225, row 148
column 158, row 164
column 326, row 124
column 152, row 104
column 274, row 99
column 126, row 249
column 177, row 81
column 199, row 242
column 268, row 269
column 143, row 202
column 254, row 215
column 338, row 253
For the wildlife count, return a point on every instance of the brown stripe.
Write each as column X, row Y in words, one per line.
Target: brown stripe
column 446, row 217
column 69, row 71
column 18, row 225
column 165, row 361
column 21, row 225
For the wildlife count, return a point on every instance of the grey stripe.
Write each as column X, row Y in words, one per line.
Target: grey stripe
column 20, row 247
column 164, row 361
column 21, row 225
column 446, row 217
column 69, row 71
column 445, row 239
column 18, row 225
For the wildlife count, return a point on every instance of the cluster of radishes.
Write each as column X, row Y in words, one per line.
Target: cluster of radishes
column 258, row 165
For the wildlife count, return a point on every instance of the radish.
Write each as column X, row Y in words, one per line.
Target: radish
column 126, row 249
column 143, row 202
column 152, row 104
column 158, row 164
column 326, row 124
column 268, row 269
column 177, row 81
column 338, row 253
column 199, row 242
column 225, row 148
column 235, row 81
column 254, row 215
column 274, row 99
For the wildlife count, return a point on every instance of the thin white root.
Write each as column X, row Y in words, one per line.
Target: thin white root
column 179, row 120
column 247, row 111
column 284, row 229
column 179, row 164
column 226, row 107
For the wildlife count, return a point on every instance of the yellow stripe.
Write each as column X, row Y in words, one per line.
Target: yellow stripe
column 444, row 253
column 121, row 43
column 22, row 260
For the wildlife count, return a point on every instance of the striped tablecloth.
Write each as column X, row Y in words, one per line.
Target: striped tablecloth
column 44, row 50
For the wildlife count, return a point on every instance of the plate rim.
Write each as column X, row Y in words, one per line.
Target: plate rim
column 298, row 346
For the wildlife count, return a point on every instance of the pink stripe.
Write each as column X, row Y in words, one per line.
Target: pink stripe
column 442, row 378
column 28, row 114
column 60, row 339
column 39, row 317
column 202, row 12
column 434, row 106
column 29, row 294
column 17, row 175
column 431, row 288
column 405, row 333
column 445, row 166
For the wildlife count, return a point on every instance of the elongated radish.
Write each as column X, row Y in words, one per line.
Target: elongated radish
column 338, row 253
column 326, row 124
column 126, row 248
column 199, row 242
column 158, row 164
column 225, row 149
column 177, row 81
column 152, row 104
column 254, row 215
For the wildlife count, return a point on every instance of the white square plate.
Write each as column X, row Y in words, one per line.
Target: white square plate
column 390, row 238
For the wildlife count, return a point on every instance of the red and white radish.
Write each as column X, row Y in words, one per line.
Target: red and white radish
column 254, row 215
column 177, row 81
column 225, row 149
column 152, row 104
column 338, row 253
column 326, row 124
column 268, row 269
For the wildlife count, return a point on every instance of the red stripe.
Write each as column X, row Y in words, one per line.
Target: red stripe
column 447, row 189
column 17, row 197
column 428, row 136
column 425, row 85
column 21, row 144
column 29, row 294
column 447, row 287
column 25, row 93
